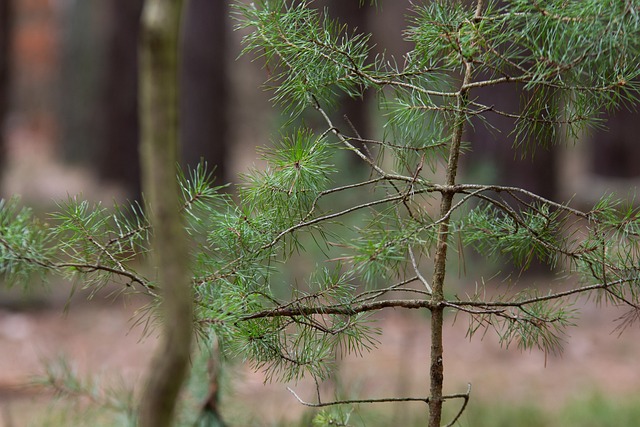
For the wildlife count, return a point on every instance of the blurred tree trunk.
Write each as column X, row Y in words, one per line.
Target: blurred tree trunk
column 203, row 85
column 159, row 147
column 355, row 15
column 81, row 80
column 119, row 160
column 615, row 152
column 5, row 61
column 353, row 111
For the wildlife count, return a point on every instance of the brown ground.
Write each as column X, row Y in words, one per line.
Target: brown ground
column 97, row 337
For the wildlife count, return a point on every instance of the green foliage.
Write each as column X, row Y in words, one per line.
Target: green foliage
column 24, row 246
column 521, row 236
column 298, row 168
column 308, row 54
column 378, row 237
column 97, row 244
column 332, row 417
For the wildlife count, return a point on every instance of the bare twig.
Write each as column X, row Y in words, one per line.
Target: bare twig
column 345, row 141
column 533, row 300
column 417, row 270
column 356, row 401
column 465, row 397
column 373, row 294
column 340, row 213
column 320, row 404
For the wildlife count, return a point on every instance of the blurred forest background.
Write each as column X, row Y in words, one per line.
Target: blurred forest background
column 68, row 90
column 69, row 123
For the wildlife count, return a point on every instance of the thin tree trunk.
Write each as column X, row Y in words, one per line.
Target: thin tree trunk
column 159, row 106
column 436, row 372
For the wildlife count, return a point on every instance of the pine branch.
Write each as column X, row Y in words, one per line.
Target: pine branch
column 344, row 309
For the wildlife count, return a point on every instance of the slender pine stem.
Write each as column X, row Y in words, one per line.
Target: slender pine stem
column 440, row 260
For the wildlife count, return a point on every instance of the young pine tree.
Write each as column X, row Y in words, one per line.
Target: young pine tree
column 389, row 234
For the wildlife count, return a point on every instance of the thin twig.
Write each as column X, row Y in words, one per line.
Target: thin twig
column 121, row 271
column 338, row 214
column 465, row 398
column 533, row 300
column 417, row 270
column 356, row 401
column 345, row 141
column 373, row 294
column 320, row 404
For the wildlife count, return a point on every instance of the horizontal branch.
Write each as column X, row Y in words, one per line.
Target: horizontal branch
column 524, row 117
column 464, row 396
column 533, row 300
column 357, row 401
column 48, row 265
column 351, row 310
column 459, row 188
column 343, row 309
column 134, row 278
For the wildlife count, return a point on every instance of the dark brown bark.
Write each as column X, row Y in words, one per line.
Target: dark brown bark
column 204, row 86
column 119, row 159
column 5, row 61
column 159, row 148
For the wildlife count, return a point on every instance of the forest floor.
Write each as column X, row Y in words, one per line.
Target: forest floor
column 98, row 337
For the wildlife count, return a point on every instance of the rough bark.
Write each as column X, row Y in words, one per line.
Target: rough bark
column 436, row 372
column 159, row 118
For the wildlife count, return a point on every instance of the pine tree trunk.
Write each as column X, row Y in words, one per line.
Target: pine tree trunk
column 436, row 372
column 5, row 34
column 159, row 106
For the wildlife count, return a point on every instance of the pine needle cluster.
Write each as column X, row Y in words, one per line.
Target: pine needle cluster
column 384, row 240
